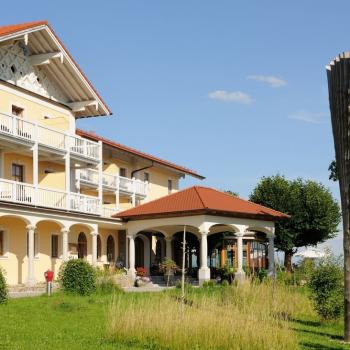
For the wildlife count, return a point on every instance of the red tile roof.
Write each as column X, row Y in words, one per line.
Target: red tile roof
column 14, row 28
column 94, row 137
column 200, row 200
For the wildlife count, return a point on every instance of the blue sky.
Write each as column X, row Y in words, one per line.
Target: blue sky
column 234, row 90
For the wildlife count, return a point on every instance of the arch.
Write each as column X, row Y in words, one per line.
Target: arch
column 89, row 227
column 99, row 247
column 192, row 254
column 144, row 256
column 110, row 249
column 19, row 217
column 267, row 231
column 53, row 221
column 82, row 245
column 217, row 228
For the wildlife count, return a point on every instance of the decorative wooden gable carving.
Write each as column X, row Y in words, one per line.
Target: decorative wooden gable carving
column 18, row 68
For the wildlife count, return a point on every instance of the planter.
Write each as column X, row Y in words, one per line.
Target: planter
column 169, row 277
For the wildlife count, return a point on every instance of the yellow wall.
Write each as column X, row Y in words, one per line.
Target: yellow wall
column 15, row 261
column 54, row 180
column 35, row 109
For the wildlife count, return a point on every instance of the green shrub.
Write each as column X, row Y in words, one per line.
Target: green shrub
column 262, row 274
column 3, row 287
column 225, row 283
column 326, row 285
column 209, row 284
column 78, row 276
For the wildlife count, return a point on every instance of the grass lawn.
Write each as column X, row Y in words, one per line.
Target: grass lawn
column 71, row 322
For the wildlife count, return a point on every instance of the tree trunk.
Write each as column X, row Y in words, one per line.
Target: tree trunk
column 346, row 244
column 288, row 255
column 338, row 74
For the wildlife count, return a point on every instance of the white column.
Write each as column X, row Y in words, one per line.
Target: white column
column 94, row 248
column 31, row 232
column 131, row 270
column 64, row 233
column 67, row 171
column 271, row 256
column 168, row 252
column 204, row 271
column 100, row 176
column 240, row 273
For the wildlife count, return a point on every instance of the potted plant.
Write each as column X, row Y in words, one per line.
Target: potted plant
column 168, row 267
column 141, row 277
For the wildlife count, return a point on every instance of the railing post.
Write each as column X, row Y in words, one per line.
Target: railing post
column 35, row 150
column 133, row 198
column 100, row 176
column 117, row 201
column 14, row 129
column 67, row 171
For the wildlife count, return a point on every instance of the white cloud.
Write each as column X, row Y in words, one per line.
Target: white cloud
column 271, row 80
column 231, row 96
column 308, row 117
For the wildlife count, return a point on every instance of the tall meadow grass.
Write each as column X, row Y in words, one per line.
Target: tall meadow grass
column 247, row 316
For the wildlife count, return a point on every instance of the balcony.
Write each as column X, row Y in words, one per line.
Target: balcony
column 114, row 182
column 107, row 212
column 23, row 131
column 23, row 193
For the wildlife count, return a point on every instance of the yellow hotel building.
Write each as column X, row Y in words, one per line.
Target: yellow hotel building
column 66, row 193
column 59, row 186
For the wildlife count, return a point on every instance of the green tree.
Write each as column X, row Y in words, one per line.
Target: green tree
column 314, row 213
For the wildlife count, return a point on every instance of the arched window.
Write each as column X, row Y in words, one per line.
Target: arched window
column 110, row 249
column 99, row 247
column 82, row 245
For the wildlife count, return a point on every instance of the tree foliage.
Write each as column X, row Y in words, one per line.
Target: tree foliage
column 78, row 276
column 333, row 169
column 314, row 213
column 326, row 286
column 3, row 287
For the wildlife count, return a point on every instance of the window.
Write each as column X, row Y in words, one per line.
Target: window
column 17, row 111
column 99, row 248
column 170, row 186
column 82, row 245
column 122, row 172
column 146, row 177
column 17, row 172
column 54, row 246
column 2, row 243
column 110, row 249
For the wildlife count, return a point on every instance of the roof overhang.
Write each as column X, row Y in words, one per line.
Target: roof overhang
column 153, row 161
column 199, row 212
column 47, row 51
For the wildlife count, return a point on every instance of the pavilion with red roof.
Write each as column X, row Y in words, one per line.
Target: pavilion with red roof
column 221, row 230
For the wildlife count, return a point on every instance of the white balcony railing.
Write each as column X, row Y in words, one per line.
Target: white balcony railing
column 108, row 212
column 22, row 129
column 123, row 184
column 23, row 193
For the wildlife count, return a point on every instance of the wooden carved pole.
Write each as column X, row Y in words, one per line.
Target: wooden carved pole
column 338, row 74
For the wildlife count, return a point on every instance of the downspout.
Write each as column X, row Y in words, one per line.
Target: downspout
column 144, row 168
